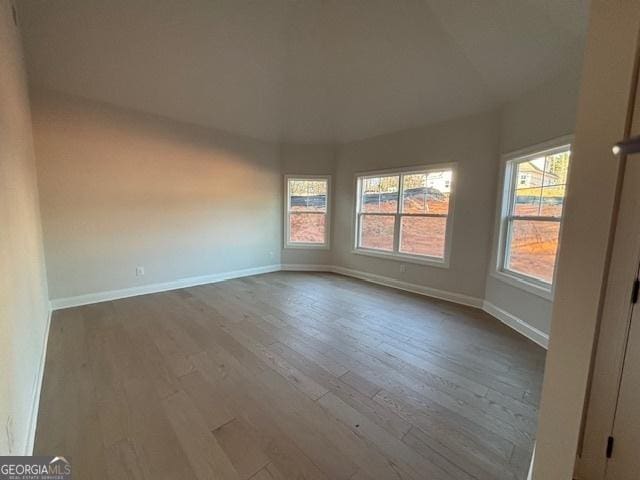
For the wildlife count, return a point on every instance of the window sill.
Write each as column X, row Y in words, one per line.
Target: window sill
column 399, row 257
column 523, row 284
column 307, row 246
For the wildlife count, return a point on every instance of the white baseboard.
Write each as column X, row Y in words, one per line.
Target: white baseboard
column 98, row 297
column 505, row 317
column 37, row 390
column 517, row 324
column 388, row 282
column 411, row 287
column 303, row 267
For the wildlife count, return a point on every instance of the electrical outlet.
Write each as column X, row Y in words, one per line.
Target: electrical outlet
column 403, row 268
column 271, row 255
column 139, row 271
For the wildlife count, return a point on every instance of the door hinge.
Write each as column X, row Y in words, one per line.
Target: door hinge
column 636, row 289
column 609, row 447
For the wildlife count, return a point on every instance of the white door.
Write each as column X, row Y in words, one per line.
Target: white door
column 624, row 461
column 623, row 449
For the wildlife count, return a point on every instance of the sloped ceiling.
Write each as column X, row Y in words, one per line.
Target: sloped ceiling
column 301, row 70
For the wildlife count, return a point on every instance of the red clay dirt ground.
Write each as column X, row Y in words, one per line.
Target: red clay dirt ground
column 533, row 244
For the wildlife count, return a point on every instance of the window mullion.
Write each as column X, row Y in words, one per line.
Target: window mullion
column 432, row 215
column 513, row 187
column 396, row 233
column 513, row 192
column 507, row 243
column 312, row 212
column 399, row 209
column 533, row 218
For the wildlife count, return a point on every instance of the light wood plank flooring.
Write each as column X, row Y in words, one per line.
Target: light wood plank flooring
column 288, row 376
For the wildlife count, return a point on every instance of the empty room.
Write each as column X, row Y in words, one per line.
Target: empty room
column 319, row 239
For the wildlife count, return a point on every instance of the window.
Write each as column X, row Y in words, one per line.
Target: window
column 533, row 201
column 307, row 212
column 405, row 214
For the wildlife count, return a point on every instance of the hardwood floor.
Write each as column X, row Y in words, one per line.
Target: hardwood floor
column 288, row 376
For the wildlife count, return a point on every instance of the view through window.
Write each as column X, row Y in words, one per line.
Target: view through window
column 531, row 227
column 307, row 211
column 404, row 213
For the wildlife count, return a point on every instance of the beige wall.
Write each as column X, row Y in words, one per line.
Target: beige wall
column 472, row 143
column 601, row 119
column 543, row 114
column 174, row 184
column 309, row 159
column 121, row 189
column 24, row 306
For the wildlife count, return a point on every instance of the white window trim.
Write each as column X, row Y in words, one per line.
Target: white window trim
column 396, row 255
column 507, row 173
column 327, row 230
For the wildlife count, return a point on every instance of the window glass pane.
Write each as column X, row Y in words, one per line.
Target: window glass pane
column 552, row 201
column 426, row 192
column 423, row 235
column 306, row 227
column 380, row 194
column 527, row 201
column 530, row 173
column 308, row 195
column 556, row 168
column 376, row 231
column 528, row 183
column 532, row 248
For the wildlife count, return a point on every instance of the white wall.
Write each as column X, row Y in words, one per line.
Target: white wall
column 178, row 195
column 309, row 159
column 24, row 306
column 543, row 114
column 476, row 143
column 121, row 189
column 472, row 142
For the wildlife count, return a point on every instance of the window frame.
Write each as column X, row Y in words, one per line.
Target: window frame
column 396, row 254
column 287, row 211
column 508, row 184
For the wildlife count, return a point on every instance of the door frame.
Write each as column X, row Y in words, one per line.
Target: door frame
column 615, row 320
